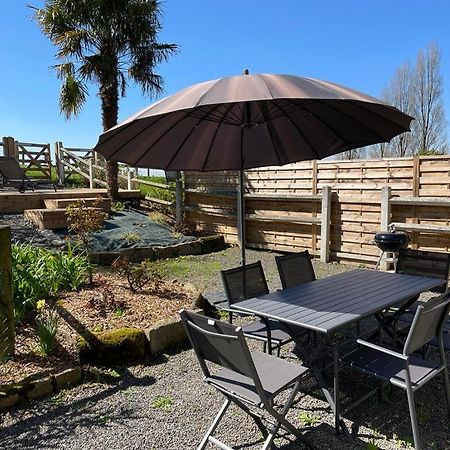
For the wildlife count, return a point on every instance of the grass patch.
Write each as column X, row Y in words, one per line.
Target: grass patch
column 189, row 267
column 308, row 419
column 155, row 192
column 157, row 217
column 163, row 402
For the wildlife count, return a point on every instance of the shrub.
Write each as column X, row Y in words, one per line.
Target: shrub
column 38, row 273
column 84, row 221
column 138, row 275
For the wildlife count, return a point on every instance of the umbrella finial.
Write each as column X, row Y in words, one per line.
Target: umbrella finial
column 246, row 72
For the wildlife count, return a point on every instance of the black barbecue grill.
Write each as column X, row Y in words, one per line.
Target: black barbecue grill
column 391, row 241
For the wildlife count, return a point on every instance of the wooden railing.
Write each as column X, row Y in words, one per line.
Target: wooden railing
column 89, row 165
column 32, row 157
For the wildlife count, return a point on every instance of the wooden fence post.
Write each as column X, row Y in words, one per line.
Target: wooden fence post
column 325, row 224
column 10, row 147
column 60, row 162
column 91, row 173
column 385, row 207
column 178, row 198
column 7, row 332
column 385, row 217
column 129, row 177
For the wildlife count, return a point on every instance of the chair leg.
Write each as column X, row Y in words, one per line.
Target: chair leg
column 412, row 413
column 446, row 388
column 283, row 422
column 214, row 425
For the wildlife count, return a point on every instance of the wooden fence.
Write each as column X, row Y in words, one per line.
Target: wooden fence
column 355, row 208
column 34, row 158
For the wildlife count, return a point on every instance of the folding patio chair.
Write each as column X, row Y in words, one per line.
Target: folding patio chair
column 422, row 263
column 250, row 380
column 405, row 370
column 243, row 282
column 12, row 174
column 295, row 269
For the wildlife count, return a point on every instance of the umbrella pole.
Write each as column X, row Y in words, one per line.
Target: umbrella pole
column 241, row 216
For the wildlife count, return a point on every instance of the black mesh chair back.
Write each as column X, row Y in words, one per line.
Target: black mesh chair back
column 295, row 269
column 244, row 282
column 249, row 380
column 219, row 343
column 424, row 263
column 428, row 323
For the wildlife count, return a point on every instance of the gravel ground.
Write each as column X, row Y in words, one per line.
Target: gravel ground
column 163, row 405
column 23, row 231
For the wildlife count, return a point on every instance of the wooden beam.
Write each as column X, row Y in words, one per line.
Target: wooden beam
column 7, row 330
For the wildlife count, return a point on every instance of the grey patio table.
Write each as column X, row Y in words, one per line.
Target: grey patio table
column 329, row 304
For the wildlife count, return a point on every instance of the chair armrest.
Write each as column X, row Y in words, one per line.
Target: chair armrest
column 382, row 349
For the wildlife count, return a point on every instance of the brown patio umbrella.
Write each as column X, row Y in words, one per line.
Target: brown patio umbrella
column 242, row 122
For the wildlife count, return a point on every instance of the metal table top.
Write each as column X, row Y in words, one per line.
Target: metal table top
column 328, row 304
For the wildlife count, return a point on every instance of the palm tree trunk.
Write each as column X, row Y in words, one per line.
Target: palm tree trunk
column 109, row 94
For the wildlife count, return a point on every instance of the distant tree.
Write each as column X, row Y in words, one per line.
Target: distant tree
column 104, row 42
column 429, row 128
column 399, row 93
column 356, row 153
column 380, row 150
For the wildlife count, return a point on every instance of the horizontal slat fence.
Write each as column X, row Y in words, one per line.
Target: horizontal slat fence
column 356, row 210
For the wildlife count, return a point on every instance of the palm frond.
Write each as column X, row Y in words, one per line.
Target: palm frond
column 72, row 96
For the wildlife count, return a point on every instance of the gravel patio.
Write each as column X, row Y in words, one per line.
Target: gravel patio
column 165, row 406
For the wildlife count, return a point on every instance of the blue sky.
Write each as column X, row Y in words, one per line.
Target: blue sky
column 358, row 43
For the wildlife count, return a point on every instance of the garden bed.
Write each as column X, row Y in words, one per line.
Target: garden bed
column 107, row 304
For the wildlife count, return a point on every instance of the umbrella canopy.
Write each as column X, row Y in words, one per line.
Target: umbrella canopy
column 243, row 122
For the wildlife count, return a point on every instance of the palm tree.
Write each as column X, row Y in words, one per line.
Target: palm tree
column 107, row 43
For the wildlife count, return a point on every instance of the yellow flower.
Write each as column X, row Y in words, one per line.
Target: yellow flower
column 40, row 304
column 60, row 303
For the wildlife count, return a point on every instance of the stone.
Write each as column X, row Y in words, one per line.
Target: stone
column 40, row 388
column 70, row 376
column 166, row 334
column 6, row 401
column 114, row 347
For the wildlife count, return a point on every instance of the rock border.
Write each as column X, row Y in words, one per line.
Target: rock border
column 203, row 245
column 161, row 336
column 12, row 394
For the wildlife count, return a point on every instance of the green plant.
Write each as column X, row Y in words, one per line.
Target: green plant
column 84, row 221
column 39, row 273
column 59, row 398
column 371, row 445
column 156, row 216
column 138, row 275
column 104, row 420
column 117, row 206
column 47, row 320
column 163, row 402
column 308, row 419
column 176, row 235
column 131, row 237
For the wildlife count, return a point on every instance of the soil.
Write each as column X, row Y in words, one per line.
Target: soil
column 107, row 304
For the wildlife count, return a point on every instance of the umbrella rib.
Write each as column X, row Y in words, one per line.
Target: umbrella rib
column 355, row 120
column 215, row 134
column 360, row 105
column 332, row 129
column 160, row 137
column 269, row 129
column 298, row 130
column 189, row 134
column 134, row 136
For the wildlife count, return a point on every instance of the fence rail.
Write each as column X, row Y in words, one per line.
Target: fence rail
column 34, row 158
column 356, row 209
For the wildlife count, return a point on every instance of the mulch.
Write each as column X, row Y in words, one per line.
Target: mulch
column 105, row 305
